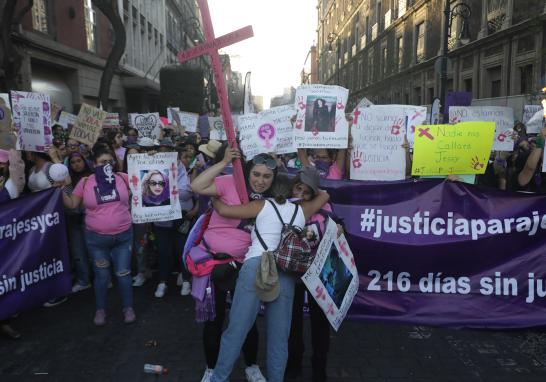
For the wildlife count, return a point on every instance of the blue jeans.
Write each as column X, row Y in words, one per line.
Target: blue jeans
column 78, row 249
column 244, row 309
column 106, row 250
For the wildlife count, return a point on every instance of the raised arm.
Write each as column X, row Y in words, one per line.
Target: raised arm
column 313, row 206
column 204, row 183
column 241, row 211
column 528, row 171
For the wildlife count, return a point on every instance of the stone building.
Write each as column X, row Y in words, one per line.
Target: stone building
column 388, row 50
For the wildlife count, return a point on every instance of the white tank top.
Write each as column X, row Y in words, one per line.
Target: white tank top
column 37, row 181
column 270, row 227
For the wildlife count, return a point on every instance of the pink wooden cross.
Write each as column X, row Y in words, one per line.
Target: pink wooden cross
column 210, row 47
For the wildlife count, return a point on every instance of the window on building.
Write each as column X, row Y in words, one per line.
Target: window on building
column 468, row 85
column 142, row 24
column 420, row 42
column 378, row 15
column 91, row 27
column 494, row 78
column 526, row 79
column 384, row 61
column 430, row 97
column 150, row 34
column 400, row 52
column 370, row 66
column 39, row 16
column 417, row 96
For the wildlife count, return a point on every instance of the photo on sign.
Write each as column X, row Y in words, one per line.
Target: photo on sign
column 320, row 114
column 155, row 188
column 335, row 276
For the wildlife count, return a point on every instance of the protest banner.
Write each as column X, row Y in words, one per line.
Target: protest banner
column 378, row 135
column 332, row 278
column 88, row 125
column 456, row 99
column 188, row 121
column 154, row 187
column 34, row 263
column 533, row 116
column 217, row 131
column 502, row 116
column 67, row 120
column 431, row 252
column 148, row 124
column 32, row 117
column 7, row 135
column 171, row 112
column 111, row 121
column 463, row 148
column 320, row 118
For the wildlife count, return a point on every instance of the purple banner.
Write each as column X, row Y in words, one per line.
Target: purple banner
column 34, row 265
column 441, row 253
column 456, row 99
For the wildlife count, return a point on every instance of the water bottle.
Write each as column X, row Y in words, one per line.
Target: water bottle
column 155, row 369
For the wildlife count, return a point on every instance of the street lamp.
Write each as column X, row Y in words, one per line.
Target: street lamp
column 459, row 10
column 330, row 39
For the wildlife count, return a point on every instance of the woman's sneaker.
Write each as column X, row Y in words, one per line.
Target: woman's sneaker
column 179, row 279
column 160, row 291
column 253, row 374
column 139, row 280
column 186, row 288
column 100, row 317
column 79, row 287
column 129, row 315
column 208, row 375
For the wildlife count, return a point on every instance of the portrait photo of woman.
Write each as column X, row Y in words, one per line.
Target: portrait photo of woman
column 155, row 189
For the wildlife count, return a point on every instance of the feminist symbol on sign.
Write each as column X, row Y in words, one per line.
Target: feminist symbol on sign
column 266, row 132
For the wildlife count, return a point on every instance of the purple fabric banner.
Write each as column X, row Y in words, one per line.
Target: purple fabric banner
column 456, row 99
column 441, row 253
column 34, row 265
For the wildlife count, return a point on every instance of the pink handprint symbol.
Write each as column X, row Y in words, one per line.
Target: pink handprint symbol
column 505, row 134
column 357, row 159
column 455, row 119
column 299, row 124
column 315, row 131
column 476, row 164
column 301, row 104
column 340, row 106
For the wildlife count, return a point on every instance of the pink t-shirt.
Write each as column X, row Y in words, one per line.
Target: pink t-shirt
column 334, row 173
column 107, row 218
column 224, row 235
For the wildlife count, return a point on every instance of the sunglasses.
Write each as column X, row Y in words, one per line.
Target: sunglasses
column 160, row 183
column 270, row 163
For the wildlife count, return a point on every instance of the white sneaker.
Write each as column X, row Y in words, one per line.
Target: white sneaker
column 161, row 289
column 186, row 288
column 179, row 279
column 79, row 287
column 139, row 280
column 253, row 374
column 208, row 375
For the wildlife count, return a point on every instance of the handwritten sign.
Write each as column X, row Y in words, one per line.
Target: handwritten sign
column 416, row 115
column 148, row 124
column 377, row 151
column 188, row 121
column 217, row 130
column 88, row 125
column 502, row 116
column 279, row 117
column 111, row 121
column 463, row 148
column 7, row 135
column 32, row 119
column 532, row 118
column 154, row 187
column 320, row 118
column 67, row 120
column 332, row 278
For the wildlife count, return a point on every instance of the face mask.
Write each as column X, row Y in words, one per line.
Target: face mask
column 131, row 139
column 322, row 167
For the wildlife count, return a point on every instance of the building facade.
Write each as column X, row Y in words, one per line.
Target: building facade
column 66, row 43
column 388, row 51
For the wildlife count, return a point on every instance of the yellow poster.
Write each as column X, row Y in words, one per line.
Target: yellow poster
column 463, row 148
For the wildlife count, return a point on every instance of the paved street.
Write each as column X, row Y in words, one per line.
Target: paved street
column 62, row 344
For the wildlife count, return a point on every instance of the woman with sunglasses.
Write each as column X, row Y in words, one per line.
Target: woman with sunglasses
column 108, row 230
column 231, row 236
column 155, row 189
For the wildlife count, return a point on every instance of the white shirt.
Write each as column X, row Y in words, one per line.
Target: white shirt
column 37, row 181
column 270, row 226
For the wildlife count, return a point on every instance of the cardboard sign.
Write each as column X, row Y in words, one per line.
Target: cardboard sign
column 147, row 125
column 32, row 119
column 154, row 187
column 532, row 118
column 463, row 148
column 7, row 134
column 332, row 279
column 217, row 131
column 320, row 118
column 280, row 117
column 502, row 116
column 111, row 121
column 67, row 120
column 88, row 125
column 188, row 121
column 377, row 151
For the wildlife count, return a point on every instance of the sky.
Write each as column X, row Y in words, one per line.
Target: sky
column 284, row 31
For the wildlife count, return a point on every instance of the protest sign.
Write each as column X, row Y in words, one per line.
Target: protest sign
column 188, row 121
column 154, row 187
column 171, row 112
column 463, row 148
column 456, row 99
column 217, row 131
column 533, row 116
column 111, row 121
column 320, row 118
column 67, row 120
column 34, row 264
column 378, row 136
column 148, row 125
column 416, row 115
column 32, row 117
column 502, row 116
column 332, row 278
column 7, row 135
column 88, row 125
column 55, row 112
column 280, row 117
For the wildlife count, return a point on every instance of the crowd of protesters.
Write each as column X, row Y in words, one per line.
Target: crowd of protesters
column 104, row 242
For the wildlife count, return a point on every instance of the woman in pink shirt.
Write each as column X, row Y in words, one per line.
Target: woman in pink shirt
column 108, row 230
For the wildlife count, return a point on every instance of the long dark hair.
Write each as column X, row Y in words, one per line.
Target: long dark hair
column 281, row 189
column 77, row 176
column 248, row 166
column 100, row 149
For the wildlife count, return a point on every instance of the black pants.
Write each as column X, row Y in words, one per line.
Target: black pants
column 212, row 334
column 170, row 244
column 320, row 335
